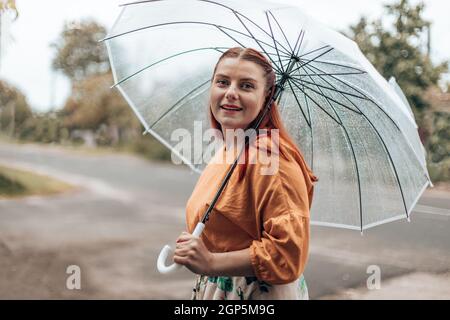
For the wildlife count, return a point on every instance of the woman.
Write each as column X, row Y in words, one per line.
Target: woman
column 255, row 243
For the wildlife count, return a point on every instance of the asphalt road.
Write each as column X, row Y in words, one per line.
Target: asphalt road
column 125, row 209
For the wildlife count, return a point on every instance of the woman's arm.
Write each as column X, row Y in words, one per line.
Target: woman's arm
column 192, row 253
column 233, row 263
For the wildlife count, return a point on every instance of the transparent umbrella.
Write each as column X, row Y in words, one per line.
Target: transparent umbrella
column 354, row 130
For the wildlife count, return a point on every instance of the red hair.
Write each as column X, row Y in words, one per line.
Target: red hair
column 272, row 120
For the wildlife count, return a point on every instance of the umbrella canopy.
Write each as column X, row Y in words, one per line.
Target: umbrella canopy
column 421, row 153
column 354, row 130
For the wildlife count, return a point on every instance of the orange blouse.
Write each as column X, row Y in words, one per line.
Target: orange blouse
column 268, row 213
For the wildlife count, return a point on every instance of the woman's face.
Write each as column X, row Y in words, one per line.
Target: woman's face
column 237, row 93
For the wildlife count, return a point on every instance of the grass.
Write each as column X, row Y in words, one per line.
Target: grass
column 19, row 183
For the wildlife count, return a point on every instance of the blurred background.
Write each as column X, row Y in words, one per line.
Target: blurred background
column 80, row 184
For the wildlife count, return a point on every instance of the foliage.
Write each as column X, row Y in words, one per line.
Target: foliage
column 398, row 50
column 94, row 106
column 14, row 109
column 44, row 128
column 9, row 186
column 438, row 144
column 14, row 182
column 78, row 53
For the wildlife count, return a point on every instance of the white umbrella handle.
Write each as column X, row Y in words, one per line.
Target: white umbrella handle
column 161, row 264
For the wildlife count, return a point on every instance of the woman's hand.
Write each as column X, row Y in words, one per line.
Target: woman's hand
column 192, row 253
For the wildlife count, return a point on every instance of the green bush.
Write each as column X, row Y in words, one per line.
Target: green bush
column 150, row 148
column 439, row 147
column 10, row 187
column 439, row 171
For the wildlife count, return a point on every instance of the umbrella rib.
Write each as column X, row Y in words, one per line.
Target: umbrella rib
column 306, row 119
column 299, row 106
column 268, row 55
column 312, row 133
column 339, row 65
column 274, row 63
column 281, row 29
column 348, row 85
column 321, row 93
column 368, row 98
column 274, row 42
column 316, row 103
column 136, row 2
column 337, row 74
column 286, row 58
column 387, row 150
column 392, row 163
column 246, row 35
column 334, row 89
column 312, row 51
column 228, row 35
column 342, row 93
column 302, row 36
column 162, row 60
column 286, row 51
column 244, row 16
column 327, row 97
column 172, row 108
column 152, row 26
column 306, row 63
column 283, row 56
column 331, row 89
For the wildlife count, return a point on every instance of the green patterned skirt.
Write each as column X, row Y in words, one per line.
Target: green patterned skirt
column 247, row 288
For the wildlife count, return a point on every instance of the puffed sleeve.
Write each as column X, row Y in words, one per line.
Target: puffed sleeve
column 282, row 201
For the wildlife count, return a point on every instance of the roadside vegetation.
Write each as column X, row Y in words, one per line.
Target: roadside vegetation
column 18, row 183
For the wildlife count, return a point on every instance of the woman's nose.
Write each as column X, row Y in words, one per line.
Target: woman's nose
column 231, row 93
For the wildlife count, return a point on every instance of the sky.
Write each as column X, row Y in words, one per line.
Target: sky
column 27, row 55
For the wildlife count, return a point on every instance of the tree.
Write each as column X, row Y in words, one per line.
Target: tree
column 14, row 109
column 6, row 7
column 437, row 127
column 93, row 104
column 78, row 52
column 398, row 50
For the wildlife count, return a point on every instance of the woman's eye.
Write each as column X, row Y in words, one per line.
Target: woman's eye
column 245, row 85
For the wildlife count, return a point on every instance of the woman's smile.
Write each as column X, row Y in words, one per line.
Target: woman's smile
column 231, row 108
